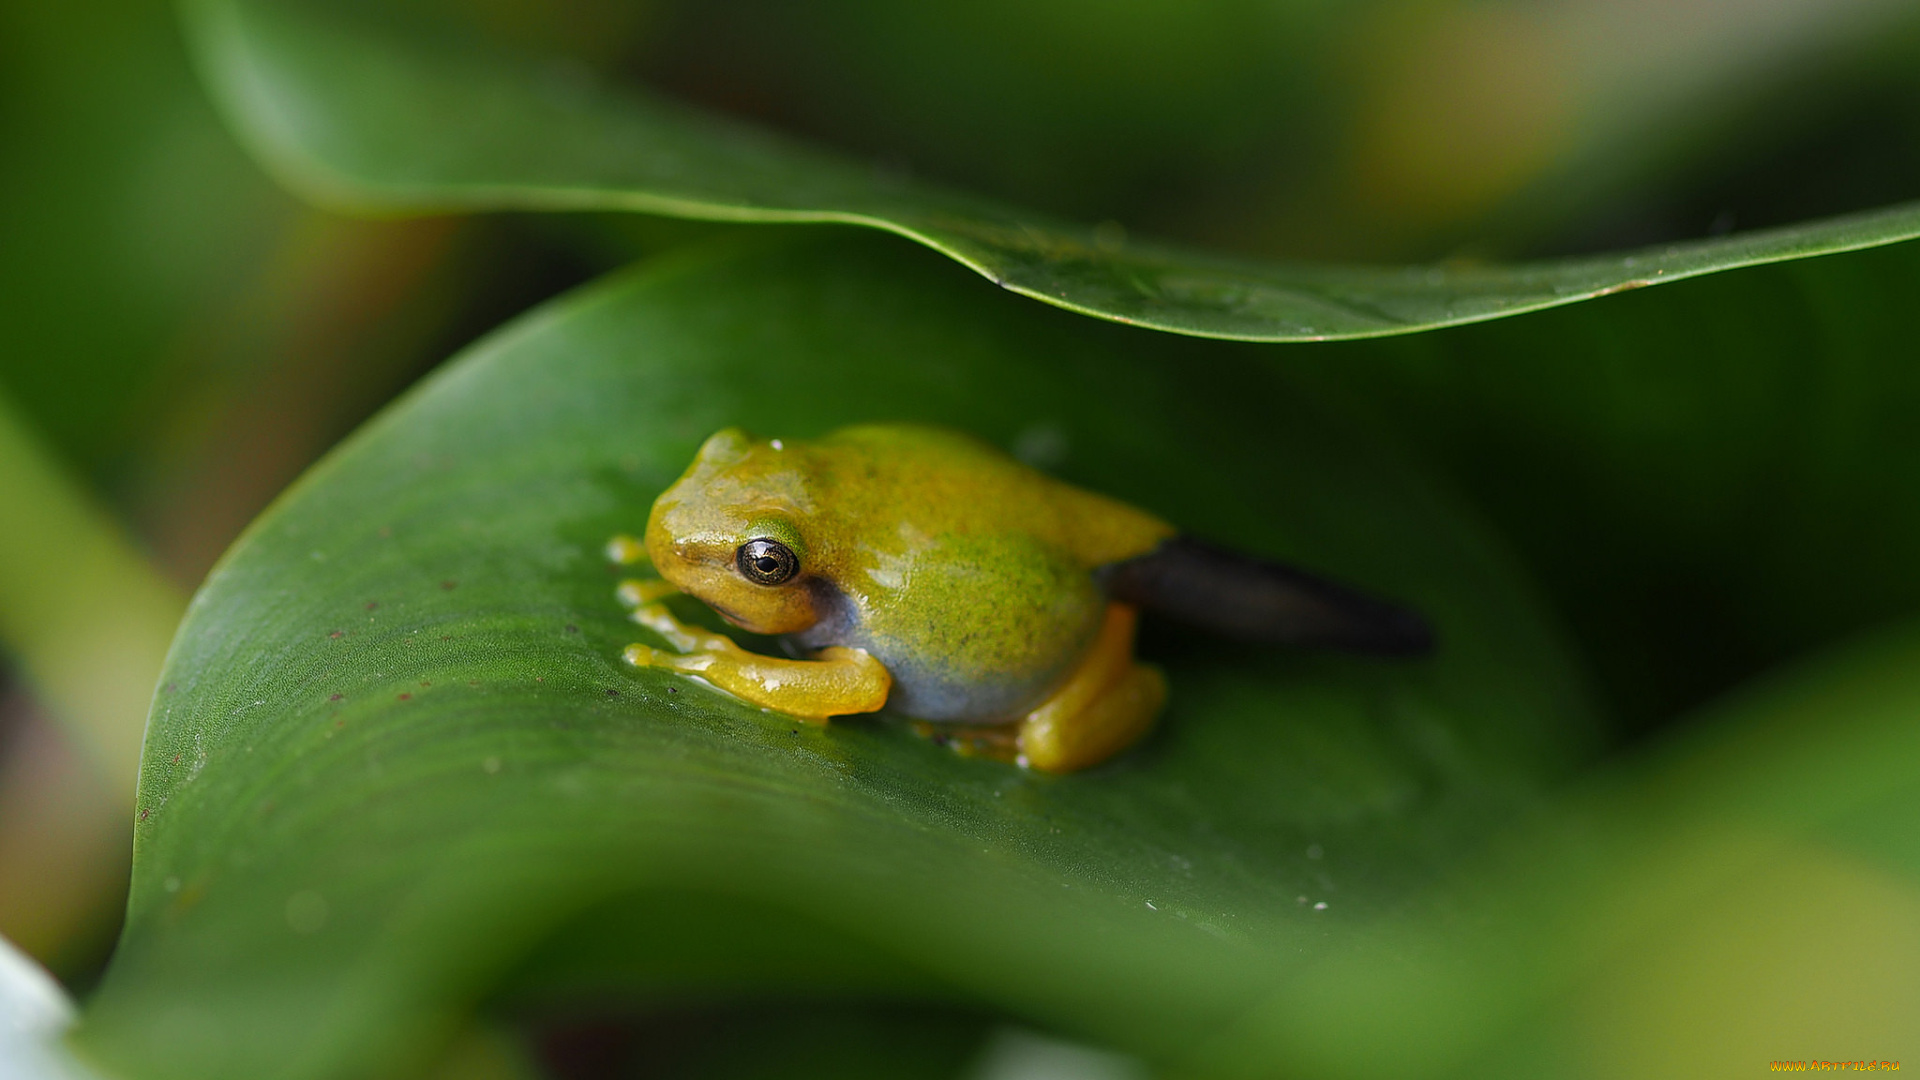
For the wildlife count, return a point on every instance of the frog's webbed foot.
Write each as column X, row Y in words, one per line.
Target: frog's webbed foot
column 836, row 682
column 1106, row 705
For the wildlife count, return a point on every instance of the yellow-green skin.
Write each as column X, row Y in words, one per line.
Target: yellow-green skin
column 968, row 575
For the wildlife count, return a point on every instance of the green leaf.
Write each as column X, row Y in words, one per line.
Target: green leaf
column 397, row 771
column 362, row 115
column 132, row 236
column 72, row 589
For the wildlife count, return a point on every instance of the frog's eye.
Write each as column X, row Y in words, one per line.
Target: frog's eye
column 766, row 562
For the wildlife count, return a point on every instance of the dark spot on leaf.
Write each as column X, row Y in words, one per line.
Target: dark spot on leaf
column 371, row 604
column 336, row 697
column 673, row 689
column 425, row 682
column 406, row 697
column 176, row 759
column 337, row 634
column 386, row 531
column 539, row 678
column 446, row 637
column 448, row 584
column 613, row 693
column 143, row 813
column 170, row 688
column 572, row 629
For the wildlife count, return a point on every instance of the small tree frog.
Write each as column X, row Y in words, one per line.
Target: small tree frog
column 923, row 570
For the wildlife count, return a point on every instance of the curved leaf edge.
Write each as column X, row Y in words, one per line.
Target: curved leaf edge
column 1145, row 284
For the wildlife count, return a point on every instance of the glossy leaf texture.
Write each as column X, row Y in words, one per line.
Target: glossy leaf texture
column 378, row 115
column 397, row 772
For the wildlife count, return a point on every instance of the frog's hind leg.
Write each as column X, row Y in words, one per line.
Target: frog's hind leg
column 1107, row 704
column 837, row 682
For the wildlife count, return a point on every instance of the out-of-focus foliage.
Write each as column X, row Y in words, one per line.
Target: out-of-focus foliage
column 1347, row 129
column 1369, row 129
column 110, row 148
column 73, row 593
column 187, row 338
column 1704, row 483
column 142, row 212
column 61, row 563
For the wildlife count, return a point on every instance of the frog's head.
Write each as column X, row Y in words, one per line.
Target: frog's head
column 731, row 533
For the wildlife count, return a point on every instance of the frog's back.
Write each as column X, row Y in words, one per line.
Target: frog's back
column 972, row 576
column 939, row 481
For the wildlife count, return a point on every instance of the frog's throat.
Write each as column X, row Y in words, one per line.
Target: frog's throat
column 728, row 615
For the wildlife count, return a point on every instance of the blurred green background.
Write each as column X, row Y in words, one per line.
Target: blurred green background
column 181, row 338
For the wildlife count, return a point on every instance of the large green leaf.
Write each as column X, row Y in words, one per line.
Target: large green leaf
column 396, row 768
column 362, row 114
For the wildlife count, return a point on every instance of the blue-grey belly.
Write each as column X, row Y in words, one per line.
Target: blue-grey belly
column 946, row 670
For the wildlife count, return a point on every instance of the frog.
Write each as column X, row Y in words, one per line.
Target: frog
column 923, row 571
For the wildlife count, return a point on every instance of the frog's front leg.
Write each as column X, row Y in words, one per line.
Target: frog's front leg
column 1106, row 705
column 836, row 682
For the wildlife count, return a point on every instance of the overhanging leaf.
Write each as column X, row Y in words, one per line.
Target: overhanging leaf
column 362, row 115
column 397, row 769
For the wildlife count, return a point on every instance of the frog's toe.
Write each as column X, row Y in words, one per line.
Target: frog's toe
column 624, row 550
column 697, row 662
column 645, row 656
column 638, row 592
